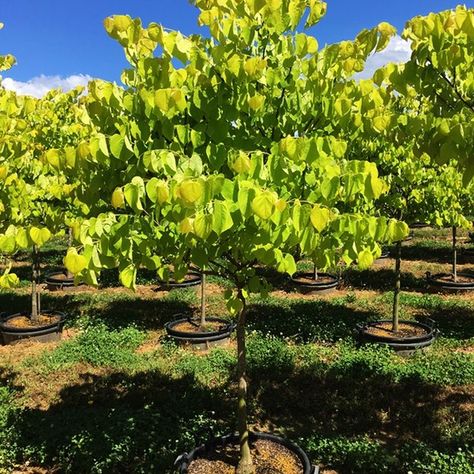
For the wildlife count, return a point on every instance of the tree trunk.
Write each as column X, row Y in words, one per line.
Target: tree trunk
column 35, row 295
column 203, row 300
column 455, row 257
column 396, row 293
column 315, row 273
column 69, row 244
column 245, row 463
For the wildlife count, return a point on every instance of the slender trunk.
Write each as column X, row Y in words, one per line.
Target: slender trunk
column 315, row 272
column 69, row 237
column 35, row 301
column 303, row 181
column 69, row 244
column 203, row 299
column 245, row 463
column 455, row 257
column 396, row 294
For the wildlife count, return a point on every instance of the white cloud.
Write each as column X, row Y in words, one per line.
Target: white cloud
column 397, row 51
column 38, row 86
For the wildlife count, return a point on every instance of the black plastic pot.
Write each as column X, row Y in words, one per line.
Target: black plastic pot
column 385, row 253
column 402, row 345
column 467, row 253
column 436, row 282
column 383, row 256
column 55, row 281
column 200, row 340
column 182, row 462
column 171, row 284
column 315, row 286
column 48, row 333
column 418, row 225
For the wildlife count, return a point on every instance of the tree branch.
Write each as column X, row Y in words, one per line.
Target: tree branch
column 452, row 84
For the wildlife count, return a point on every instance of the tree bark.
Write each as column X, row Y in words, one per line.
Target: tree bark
column 69, row 244
column 455, row 257
column 203, row 300
column 35, row 297
column 396, row 293
column 245, row 465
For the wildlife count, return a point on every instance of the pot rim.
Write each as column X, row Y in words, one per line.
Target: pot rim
column 184, row 460
column 185, row 283
column 200, row 336
column 430, row 332
column 51, row 280
column 435, row 280
column 335, row 280
column 39, row 329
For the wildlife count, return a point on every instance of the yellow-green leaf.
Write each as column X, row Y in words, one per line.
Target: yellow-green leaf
column 74, row 262
column 190, row 191
column 128, row 276
column 365, row 259
column 320, row 217
column 118, row 198
column 263, row 204
column 39, row 236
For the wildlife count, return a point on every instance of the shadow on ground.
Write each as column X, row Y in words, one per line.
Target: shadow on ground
column 306, row 320
column 382, row 279
column 138, row 423
column 116, row 310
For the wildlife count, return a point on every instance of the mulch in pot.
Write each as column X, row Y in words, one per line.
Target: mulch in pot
column 449, row 278
column 209, row 326
column 384, row 329
column 61, row 276
column 305, row 280
column 268, row 458
column 24, row 322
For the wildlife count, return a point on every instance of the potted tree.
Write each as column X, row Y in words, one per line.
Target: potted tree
column 203, row 332
column 415, row 184
column 210, row 173
column 436, row 80
column 33, row 195
column 28, row 231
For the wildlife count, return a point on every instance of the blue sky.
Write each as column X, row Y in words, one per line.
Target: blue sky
column 60, row 39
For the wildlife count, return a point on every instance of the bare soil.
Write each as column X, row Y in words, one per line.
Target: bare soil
column 268, row 458
column 384, row 329
column 25, row 322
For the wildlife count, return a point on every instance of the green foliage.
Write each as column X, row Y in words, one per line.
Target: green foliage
column 214, row 369
column 438, row 80
column 232, row 157
column 441, row 369
column 36, row 199
column 97, row 346
column 6, row 412
column 351, row 455
column 363, row 455
column 420, row 459
column 269, row 355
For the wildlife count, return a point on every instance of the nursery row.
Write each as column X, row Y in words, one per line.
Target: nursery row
column 237, row 154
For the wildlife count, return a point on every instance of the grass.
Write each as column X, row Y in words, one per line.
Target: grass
column 117, row 396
